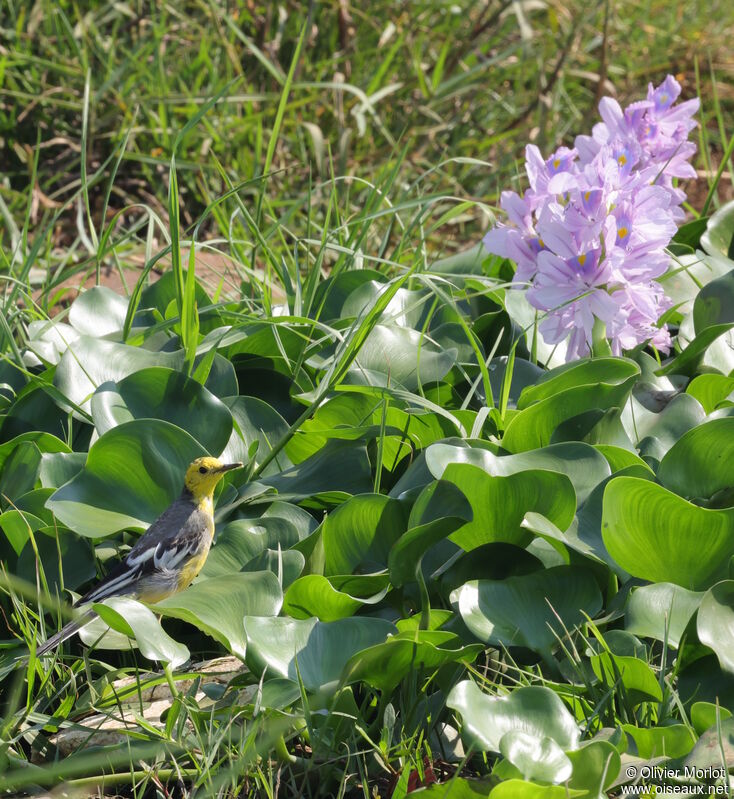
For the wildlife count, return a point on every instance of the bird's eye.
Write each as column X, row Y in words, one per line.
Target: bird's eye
column 203, row 470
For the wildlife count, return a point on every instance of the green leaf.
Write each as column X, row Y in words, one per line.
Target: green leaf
column 713, row 304
column 529, row 610
column 673, row 741
column 714, row 749
column 315, row 595
column 340, row 469
column 499, row 504
column 711, row 390
column 715, row 623
column 720, row 231
column 568, row 391
column 535, row 758
column 534, row 710
column 217, row 606
column 705, row 715
column 581, row 463
column 161, row 393
column 360, row 533
column 686, row 362
column 135, row 620
column 628, row 675
column 654, row 534
column 98, row 312
column 661, row 611
column 596, row 765
column 440, row 510
column 322, row 649
column 398, row 355
column 415, row 652
column 60, row 552
column 519, row 789
column 701, row 462
column 255, row 421
column 135, row 468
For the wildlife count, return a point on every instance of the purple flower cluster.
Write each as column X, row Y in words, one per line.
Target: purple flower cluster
column 589, row 235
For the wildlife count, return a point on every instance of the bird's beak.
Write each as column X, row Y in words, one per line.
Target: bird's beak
column 229, row 466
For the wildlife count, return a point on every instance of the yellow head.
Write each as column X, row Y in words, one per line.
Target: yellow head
column 203, row 474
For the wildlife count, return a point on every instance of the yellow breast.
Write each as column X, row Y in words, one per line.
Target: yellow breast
column 191, row 569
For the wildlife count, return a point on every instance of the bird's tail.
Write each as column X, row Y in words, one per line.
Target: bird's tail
column 65, row 632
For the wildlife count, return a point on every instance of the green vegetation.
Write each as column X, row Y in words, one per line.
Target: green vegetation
column 449, row 562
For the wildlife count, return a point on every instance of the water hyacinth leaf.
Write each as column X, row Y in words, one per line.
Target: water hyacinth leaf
column 322, row 649
column 491, row 562
column 701, row 462
column 135, row 620
column 315, row 595
column 339, row 470
column 458, row 788
column 536, row 758
column 135, row 468
column 499, row 504
column 528, row 610
column 218, row 606
column 255, row 420
column 90, row 362
column 34, row 410
column 524, row 374
column 43, row 442
column 534, row 426
column 711, row 390
column 596, row 765
column 360, row 533
column 385, row 664
column 656, row 433
column 240, row 541
column 58, row 468
column 661, row 611
column 686, row 362
column 619, row 459
column 720, row 232
column 332, row 293
column 534, row 710
column 586, row 372
column 67, row 560
column 580, row 462
column 439, row 510
column 715, row 622
column 714, row 749
column 288, row 565
column 672, row 741
column 658, row 536
column 406, row 308
column 162, row 292
column 594, row 427
column 713, row 304
column 520, row 789
column 161, row 393
column 628, row 674
column 394, row 355
column 98, row 312
column 705, row 715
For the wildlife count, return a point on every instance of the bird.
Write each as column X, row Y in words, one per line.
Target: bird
column 168, row 555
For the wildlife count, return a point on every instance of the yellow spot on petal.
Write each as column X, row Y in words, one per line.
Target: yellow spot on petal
column 582, row 259
column 622, row 232
column 663, row 98
column 556, row 163
column 622, row 160
column 541, row 242
column 587, row 195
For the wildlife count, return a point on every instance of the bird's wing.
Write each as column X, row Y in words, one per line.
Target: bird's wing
column 169, row 542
